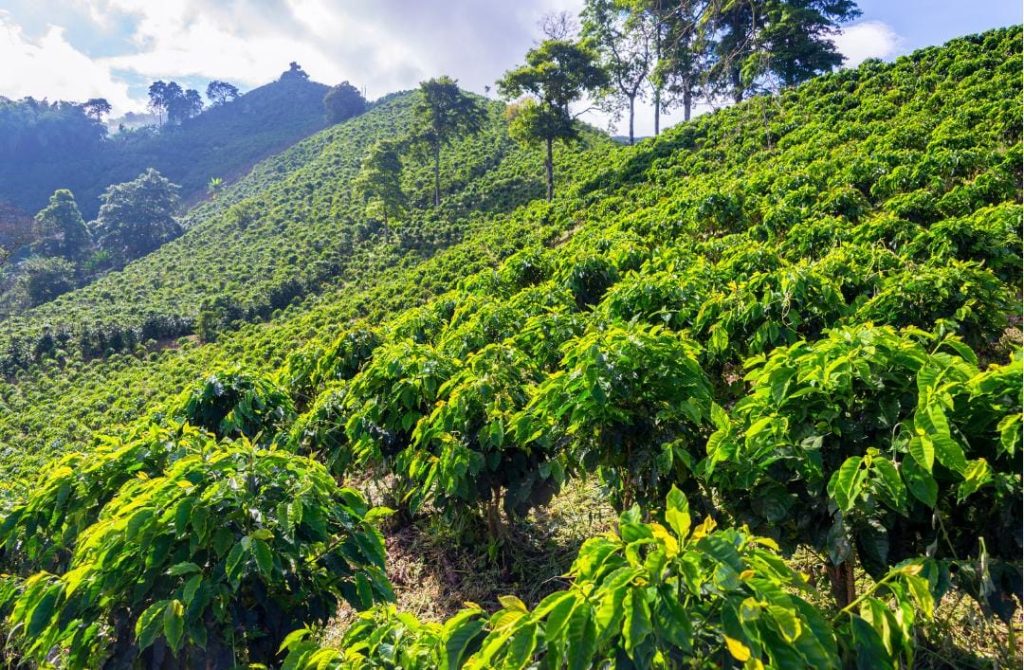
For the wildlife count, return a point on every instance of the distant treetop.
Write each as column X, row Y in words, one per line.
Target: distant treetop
column 294, row 71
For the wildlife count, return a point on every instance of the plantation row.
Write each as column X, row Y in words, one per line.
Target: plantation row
column 288, row 229
column 794, row 319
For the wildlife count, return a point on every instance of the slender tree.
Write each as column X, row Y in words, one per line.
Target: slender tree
column 684, row 38
column 379, row 182
column 624, row 39
column 556, row 74
column 442, row 114
column 96, row 108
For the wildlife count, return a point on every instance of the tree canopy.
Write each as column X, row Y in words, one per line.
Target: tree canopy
column 442, row 113
column 137, row 216
column 343, row 102
column 556, row 74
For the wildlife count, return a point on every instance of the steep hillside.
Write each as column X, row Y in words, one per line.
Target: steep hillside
column 800, row 314
column 221, row 142
column 278, row 234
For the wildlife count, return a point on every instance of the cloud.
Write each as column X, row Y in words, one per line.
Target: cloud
column 867, row 39
column 50, row 67
column 384, row 46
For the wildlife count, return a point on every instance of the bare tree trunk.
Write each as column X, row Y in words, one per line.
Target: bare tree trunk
column 840, row 577
column 632, row 106
column 687, row 103
column 657, row 111
column 437, row 175
column 549, row 166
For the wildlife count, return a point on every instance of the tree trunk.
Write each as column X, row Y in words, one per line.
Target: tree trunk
column 687, row 103
column 632, row 105
column 657, row 111
column 840, row 577
column 737, row 86
column 549, row 166
column 437, row 175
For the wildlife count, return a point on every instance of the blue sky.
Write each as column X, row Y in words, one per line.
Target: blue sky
column 76, row 49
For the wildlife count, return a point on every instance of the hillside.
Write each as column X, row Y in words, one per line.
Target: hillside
column 800, row 314
column 223, row 141
column 275, row 236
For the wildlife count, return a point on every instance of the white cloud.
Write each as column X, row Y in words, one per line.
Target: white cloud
column 867, row 39
column 50, row 67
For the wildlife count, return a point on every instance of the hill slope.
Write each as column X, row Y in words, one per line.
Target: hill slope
column 221, row 142
column 802, row 311
column 273, row 237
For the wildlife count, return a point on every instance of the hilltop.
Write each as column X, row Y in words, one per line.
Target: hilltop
column 796, row 319
column 223, row 142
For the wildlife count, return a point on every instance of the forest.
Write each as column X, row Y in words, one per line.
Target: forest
column 457, row 382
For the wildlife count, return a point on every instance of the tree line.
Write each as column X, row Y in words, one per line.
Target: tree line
column 135, row 218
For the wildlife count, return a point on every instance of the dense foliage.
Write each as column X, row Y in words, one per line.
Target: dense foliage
column 59, row 145
column 798, row 315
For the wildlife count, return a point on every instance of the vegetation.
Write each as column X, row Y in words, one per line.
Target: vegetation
column 785, row 328
column 342, row 102
column 49, row 146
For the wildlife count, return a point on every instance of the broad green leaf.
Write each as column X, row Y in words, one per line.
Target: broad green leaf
column 174, row 624
column 677, row 513
column 149, row 624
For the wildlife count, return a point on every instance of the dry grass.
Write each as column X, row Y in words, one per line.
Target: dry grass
column 434, row 573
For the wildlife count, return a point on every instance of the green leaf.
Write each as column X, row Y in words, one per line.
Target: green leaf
column 787, row 622
column 43, row 611
column 581, row 634
column 923, row 451
column 977, row 474
column 264, row 558
column 520, row 647
column 174, row 624
column 148, row 625
column 846, row 483
column 919, row 481
column 184, row 568
column 235, row 562
column 677, row 513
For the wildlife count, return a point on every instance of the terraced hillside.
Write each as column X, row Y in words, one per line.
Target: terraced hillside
column 797, row 319
column 279, row 234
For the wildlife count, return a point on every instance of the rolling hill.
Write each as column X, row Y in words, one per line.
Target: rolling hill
column 797, row 319
column 224, row 142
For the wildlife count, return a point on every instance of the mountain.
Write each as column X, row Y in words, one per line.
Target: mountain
column 796, row 319
column 222, row 142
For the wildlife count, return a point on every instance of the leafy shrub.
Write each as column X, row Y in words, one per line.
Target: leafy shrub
column 233, row 404
column 212, row 562
column 626, row 402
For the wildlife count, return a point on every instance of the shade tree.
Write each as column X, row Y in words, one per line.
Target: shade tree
column 556, row 74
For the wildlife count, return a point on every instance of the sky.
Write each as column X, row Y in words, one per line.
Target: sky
column 78, row 49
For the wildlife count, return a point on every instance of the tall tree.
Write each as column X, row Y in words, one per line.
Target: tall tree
column 342, row 102
column 683, row 39
column 96, row 108
column 788, row 40
column 137, row 216
column 556, row 74
column 623, row 37
column 158, row 99
column 60, row 229
column 443, row 113
column 379, row 182
column 41, row 280
column 220, row 92
column 184, row 106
